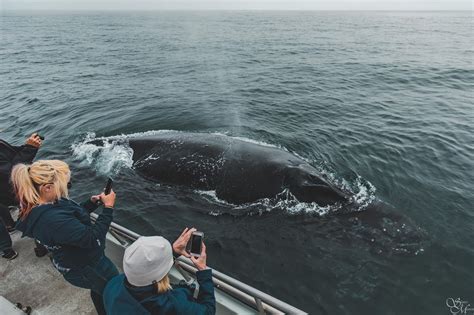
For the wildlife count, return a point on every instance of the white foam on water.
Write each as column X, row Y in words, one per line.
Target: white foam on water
column 365, row 193
column 284, row 201
column 288, row 202
column 215, row 213
column 212, row 195
column 106, row 159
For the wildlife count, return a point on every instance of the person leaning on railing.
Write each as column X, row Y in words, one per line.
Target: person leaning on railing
column 145, row 287
column 64, row 226
column 9, row 156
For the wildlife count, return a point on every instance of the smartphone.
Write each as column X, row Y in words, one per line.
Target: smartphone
column 194, row 246
column 108, row 186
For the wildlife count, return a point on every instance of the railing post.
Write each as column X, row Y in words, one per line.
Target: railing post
column 258, row 303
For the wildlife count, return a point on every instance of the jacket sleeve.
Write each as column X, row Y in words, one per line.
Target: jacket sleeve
column 89, row 206
column 11, row 155
column 71, row 231
column 25, row 154
column 206, row 301
column 5, row 168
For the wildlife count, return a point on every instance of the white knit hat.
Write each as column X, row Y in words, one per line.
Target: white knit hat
column 148, row 259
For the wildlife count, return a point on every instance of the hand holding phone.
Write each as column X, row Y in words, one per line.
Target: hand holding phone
column 107, row 198
column 180, row 246
column 201, row 261
column 195, row 243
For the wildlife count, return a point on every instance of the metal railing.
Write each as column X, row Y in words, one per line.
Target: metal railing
column 260, row 301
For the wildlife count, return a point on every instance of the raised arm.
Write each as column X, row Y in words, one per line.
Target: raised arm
column 26, row 153
column 71, row 231
column 206, row 301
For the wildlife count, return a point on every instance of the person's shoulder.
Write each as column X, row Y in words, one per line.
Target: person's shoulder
column 58, row 205
column 66, row 201
column 180, row 293
column 40, row 215
column 115, row 282
column 68, row 204
column 42, row 208
column 56, row 210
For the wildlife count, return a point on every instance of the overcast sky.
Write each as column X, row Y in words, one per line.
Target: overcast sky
column 237, row 4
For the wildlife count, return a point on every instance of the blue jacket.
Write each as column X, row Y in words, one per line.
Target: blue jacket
column 65, row 228
column 122, row 299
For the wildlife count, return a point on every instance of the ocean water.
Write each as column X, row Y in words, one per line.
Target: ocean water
column 380, row 102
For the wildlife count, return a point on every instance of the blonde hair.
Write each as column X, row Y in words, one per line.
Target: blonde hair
column 163, row 285
column 26, row 180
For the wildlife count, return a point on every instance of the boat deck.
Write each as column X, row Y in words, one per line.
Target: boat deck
column 34, row 281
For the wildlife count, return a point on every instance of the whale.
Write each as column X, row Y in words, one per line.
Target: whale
column 239, row 171
column 243, row 172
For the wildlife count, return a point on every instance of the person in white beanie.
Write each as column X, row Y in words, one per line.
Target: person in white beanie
column 145, row 288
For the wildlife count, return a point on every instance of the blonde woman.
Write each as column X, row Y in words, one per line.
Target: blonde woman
column 145, row 287
column 64, row 226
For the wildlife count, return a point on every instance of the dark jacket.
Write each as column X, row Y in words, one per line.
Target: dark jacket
column 9, row 156
column 121, row 298
column 65, row 228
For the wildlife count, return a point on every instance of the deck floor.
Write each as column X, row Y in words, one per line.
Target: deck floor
column 34, row 281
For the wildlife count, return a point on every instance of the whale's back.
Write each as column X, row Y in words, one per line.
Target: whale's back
column 239, row 171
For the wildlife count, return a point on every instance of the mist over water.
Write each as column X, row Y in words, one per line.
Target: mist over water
column 380, row 102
